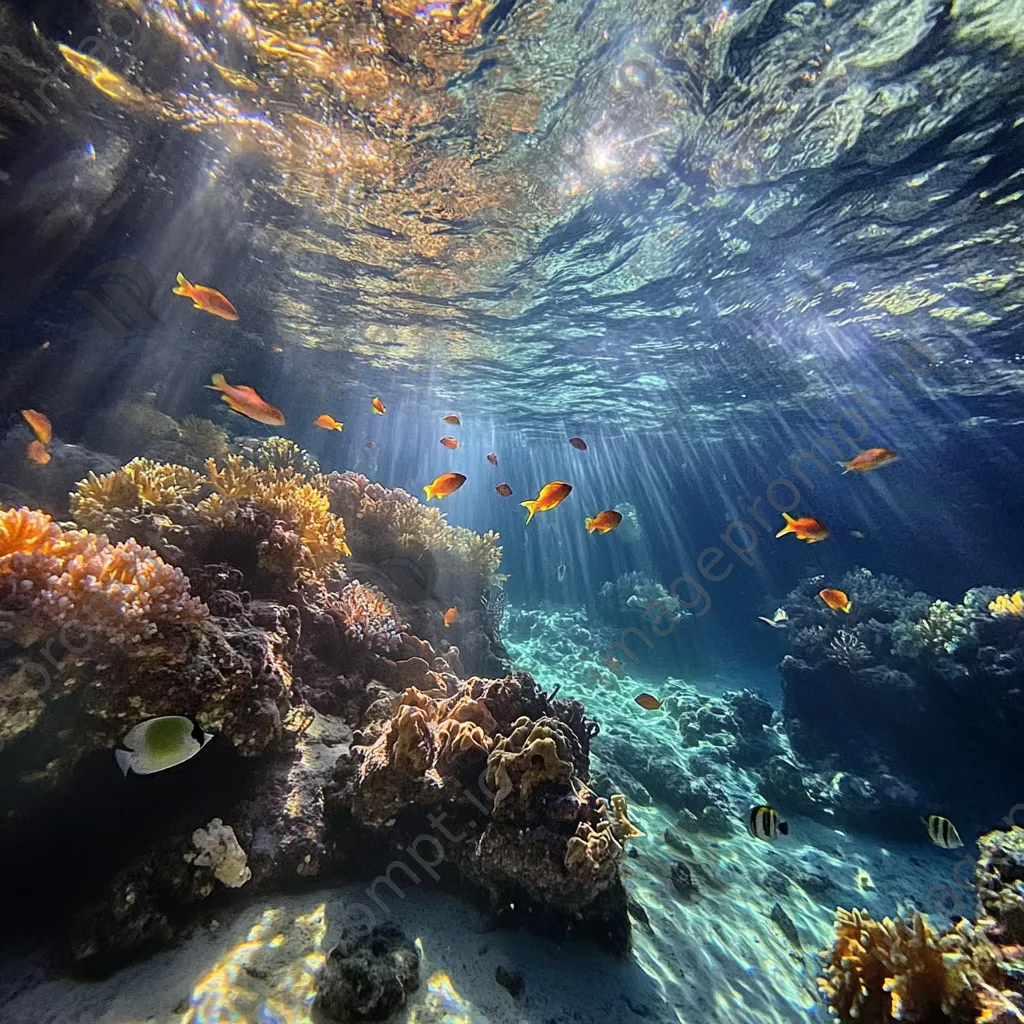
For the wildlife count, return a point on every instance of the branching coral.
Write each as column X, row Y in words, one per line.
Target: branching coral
column 895, row 970
column 286, row 495
column 1007, row 605
column 203, row 437
column 279, row 453
column 53, row 578
column 138, row 486
column 368, row 618
column 943, row 628
column 387, row 522
column 847, row 649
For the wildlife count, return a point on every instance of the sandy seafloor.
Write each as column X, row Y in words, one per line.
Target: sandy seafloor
column 717, row 956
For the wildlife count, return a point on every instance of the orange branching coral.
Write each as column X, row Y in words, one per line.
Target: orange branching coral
column 368, row 617
column 896, row 970
column 1008, row 604
column 51, row 578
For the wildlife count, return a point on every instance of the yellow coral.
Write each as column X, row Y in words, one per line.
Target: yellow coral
column 69, row 578
column 137, row 486
column 288, row 496
column 533, row 753
column 598, row 848
column 1008, row 604
column 894, row 970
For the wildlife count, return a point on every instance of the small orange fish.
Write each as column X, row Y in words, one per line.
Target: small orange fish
column 451, row 616
column 578, row 442
column 378, row 407
column 452, row 419
column 40, row 425
column 648, row 702
column 209, row 300
column 836, row 600
column 327, row 422
column 871, row 458
column 36, row 451
column 369, row 444
column 450, row 442
column 504, row 490
column 492, row 459
column 805, row 528
column 604, row 521
column 445, row 484
column 550, row 496
column 243, row 399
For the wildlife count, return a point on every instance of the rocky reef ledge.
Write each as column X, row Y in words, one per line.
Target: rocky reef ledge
column 298, row 619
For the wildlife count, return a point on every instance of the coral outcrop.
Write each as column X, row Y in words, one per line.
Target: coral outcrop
column 880, row 972
column 72, row 580
column 905, row 669
column 218, row 850
column 367, row 618
column 635, row 596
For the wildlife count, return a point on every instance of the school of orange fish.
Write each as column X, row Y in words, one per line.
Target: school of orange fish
column 763, row 821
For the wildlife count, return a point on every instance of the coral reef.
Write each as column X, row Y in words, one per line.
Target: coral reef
column 634, row 596
column 878, row 972
column 54, row 579
column 368, row 977
column 1008, row 604
column 203, row 437
column 218, row 850
column 905, row 668
column 136, row 487
column 278, row 453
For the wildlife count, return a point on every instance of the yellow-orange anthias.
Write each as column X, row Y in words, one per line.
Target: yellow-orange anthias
column 871, row 458
column 835, row 599
column 209, row 300
column 805, row 528
column 551, row 494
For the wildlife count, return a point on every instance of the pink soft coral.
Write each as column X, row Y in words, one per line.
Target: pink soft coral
column 51, row 578
column 368, row 617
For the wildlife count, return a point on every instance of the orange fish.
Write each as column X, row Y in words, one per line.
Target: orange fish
column 451, row 616
column 871, row 458
column 243, row 399
column 445, row 484
column 578, row 442
column 209, row 300
column 804, row 528
column 40, row 425
column 648, row 702
column 327, row 422
column 551, row 495
column 836, row 600
column 378, row 407
column 450, row 442
column 36, row 451
column 452, row 419
column 604, row 521
column 504, row 490
column 492, row 459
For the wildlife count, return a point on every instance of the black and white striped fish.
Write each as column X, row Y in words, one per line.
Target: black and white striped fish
column 942, row 832
column 763, row 823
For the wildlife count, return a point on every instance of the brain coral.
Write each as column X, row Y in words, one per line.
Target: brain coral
column 53, row 577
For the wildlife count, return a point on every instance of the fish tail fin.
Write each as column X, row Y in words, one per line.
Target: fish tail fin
column 532, row 506
column 183, row 287
column 591, row 527
column 428, row 491
column 783, row 828
column 218, row 382
column 124, row 760
column 788, row 528
column 846, row 467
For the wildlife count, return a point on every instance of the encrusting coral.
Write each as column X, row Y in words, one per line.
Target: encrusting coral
column 534, row 753
column 54, row 577
column 220, row 851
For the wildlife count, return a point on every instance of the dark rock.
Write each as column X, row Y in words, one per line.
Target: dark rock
column 369, row 977
column 683, row 880
column 510, row 980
